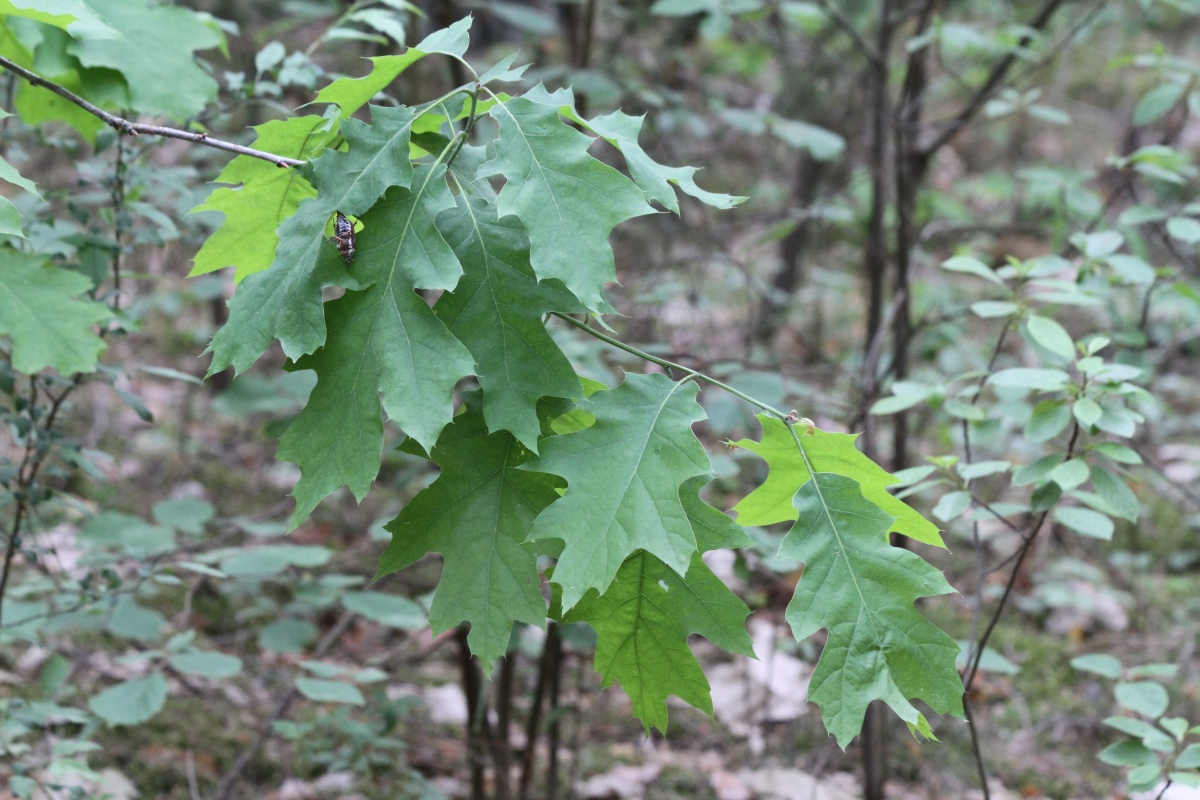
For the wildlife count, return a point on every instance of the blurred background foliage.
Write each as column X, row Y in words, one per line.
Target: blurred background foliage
column 160, row 635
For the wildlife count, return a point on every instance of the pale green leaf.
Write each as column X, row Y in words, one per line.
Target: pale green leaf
column 1051, row 335
column 990, row 661
column 46, row 325
column 1128, row 753
column 9, row 173
column 1085, row 521
column 1117, row 495
column 1132, row 269
column 285, row 301
column 1185, row 229
column 351, row 94
column 1070, row 474
column 821, row 143
column 1117, row 452
column 1087, row 411
column 1043, row 380
column 188, row 515
column 1099, row 664
column 981, row 469
column 1102, row 243
column 287, row 635
column 391, row 610
column 1189, row 758
column 1143, row 697
column 1049, row 419
column 989, row 309
column 952, row 505
column 10, row 219
column 828, row 452
column 263, row 562
column 206, row 664
column 326, row 691
column 131, row 702
column 266, row 197
column 76, row 17
column 972, row 266
column 1157, row 102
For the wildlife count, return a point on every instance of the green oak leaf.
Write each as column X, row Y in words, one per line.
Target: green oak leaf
column 476, row 514
column 284, row 302
column 861, row 590
column 266, row 197
column 155, row 55
column 623, row 475
column 567, row 200
column 351, row 94
column 643, row 621
column 713, row 530
column 496, row 311
column 10, row 219
column 383, row 340
column 10, row 173
column 656, row 180
column 19, row 42
column 73, row 16
column 829, row 452
column 645, row 617
column 38, row 312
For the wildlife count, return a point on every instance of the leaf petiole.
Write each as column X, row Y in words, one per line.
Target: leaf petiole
column 691, row 373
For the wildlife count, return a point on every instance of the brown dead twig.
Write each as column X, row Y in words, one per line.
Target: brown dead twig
column 138, row 128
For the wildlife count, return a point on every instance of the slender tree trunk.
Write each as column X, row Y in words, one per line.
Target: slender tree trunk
column 874, row 753
column 911, row 166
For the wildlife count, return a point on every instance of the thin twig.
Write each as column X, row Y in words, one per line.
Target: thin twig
column 847, row 26
column 1026, row 547
column 27, row 472
column 983, row 781
column 688, row 371
column 138, row 128
column 994, row 79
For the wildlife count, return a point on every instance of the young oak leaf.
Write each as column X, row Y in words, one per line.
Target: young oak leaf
column 266, row 197
column 567, row 200
column 623, row 475
column 385, row 341
column 496, row 311
column 645, row 617
column 829, row 452
column 861, row 590
column 476, row 514
column 351, row 94
column 284, row 302
column 656, row 180
column 46, row 325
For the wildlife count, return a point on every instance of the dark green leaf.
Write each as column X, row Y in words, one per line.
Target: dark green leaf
column 567, row 200
column 624, row 475
column 861, row 590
